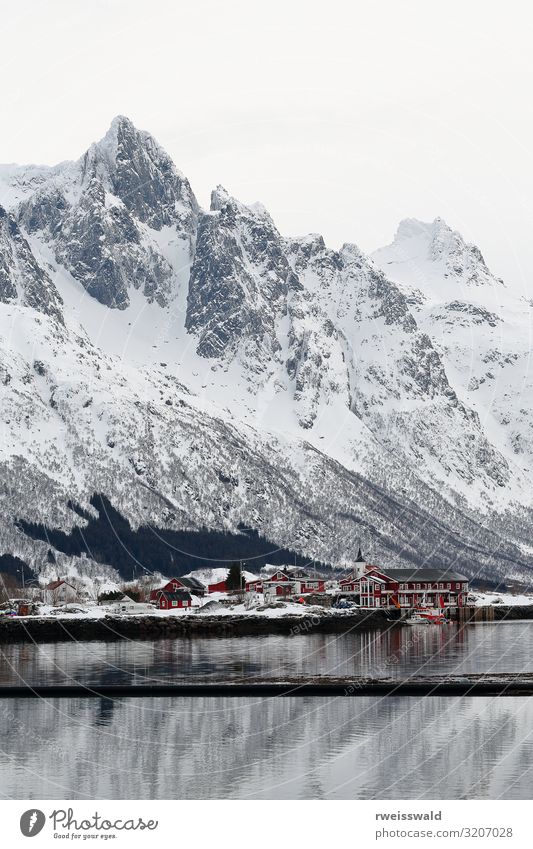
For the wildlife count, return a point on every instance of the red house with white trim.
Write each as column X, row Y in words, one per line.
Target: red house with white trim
column 289, row 582
column 371, row 586
column 192, row 585
column 173, row 600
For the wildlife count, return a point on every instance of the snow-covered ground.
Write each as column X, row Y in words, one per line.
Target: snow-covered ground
column 216, row 605
column 213, row 605
column 274, row 611
column 215, row 575
column 511, row 599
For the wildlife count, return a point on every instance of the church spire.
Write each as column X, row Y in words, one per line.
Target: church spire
column 360, row 564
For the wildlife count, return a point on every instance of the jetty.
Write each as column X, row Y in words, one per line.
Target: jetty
column 503, row 684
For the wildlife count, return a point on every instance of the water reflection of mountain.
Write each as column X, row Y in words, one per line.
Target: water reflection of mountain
column 396, row 652
column 273, row 748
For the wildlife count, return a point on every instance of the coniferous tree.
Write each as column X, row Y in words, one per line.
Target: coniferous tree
column 235, row 581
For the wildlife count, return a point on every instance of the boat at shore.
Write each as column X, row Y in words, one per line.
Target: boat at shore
column 426, row 616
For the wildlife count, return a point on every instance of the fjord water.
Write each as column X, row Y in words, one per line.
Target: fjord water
column 340, row 748
column 396, row 652
column 270, row 748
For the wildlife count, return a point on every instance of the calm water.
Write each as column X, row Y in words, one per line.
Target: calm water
column 504, row 647
column 273, row 748
column 270, row 748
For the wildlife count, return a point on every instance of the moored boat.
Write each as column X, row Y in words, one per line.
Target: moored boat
column 432, row 616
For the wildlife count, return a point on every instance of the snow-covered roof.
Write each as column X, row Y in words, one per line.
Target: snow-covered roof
column 54, row 585
column 216, row 574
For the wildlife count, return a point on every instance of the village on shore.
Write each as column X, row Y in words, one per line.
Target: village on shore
column 275, row 592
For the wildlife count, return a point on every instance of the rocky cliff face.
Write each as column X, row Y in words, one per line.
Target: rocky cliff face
column 240, row 280
column 480, row 327
column 103, row 217
column 22, row 279
column 201, row 370
column 135, row 169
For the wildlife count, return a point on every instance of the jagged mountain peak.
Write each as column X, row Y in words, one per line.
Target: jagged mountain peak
column 436, row 238
column 294, row 361
column 239, row 282
column 120, row 218
column 135, row 168
column 220, row 197
column 424, row 250
column 120, row 122
column 353, row 253
column 222, row 200
column 410, row 228
column 108, row 144
column 314, row 240
column 122, row 139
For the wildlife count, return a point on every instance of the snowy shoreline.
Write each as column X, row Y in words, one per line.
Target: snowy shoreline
column 150, row 626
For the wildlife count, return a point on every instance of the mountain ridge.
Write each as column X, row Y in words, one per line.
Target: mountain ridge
column 199, row 369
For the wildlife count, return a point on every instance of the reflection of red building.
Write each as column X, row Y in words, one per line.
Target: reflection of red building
column 371, row 586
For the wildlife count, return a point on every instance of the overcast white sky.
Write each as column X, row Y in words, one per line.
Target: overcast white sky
column 341, row 117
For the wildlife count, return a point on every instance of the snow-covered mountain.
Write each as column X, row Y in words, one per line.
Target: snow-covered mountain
column 481, row 328
column 203, row 372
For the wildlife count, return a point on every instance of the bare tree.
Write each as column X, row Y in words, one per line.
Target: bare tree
column 9, row 588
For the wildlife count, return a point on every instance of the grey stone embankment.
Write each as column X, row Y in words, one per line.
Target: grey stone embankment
column 48, row 629
column 494, row 613
column 503, row 684
column 52, row 629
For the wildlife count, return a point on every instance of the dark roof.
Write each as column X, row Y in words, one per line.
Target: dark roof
column 54, row 585
column 359, row 558
column 192, row 583
column 177, row 595
column 403, row 575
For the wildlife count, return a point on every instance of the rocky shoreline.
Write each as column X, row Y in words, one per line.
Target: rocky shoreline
column 106, row 628
column 494, row 613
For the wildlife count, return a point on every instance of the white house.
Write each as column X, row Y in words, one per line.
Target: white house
column 127, row 605
column 60, row 592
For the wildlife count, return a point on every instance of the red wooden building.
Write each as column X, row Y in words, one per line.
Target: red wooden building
column 192, row 585
column 372, row 586
column 170, row 600
column 288, row 582
column 255, row 585
column 219, row 587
